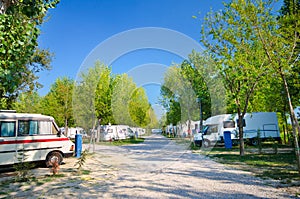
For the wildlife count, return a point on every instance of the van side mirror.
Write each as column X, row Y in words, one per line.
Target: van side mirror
column 59, row 133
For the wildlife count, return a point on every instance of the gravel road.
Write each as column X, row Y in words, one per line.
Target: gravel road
column 157, row 168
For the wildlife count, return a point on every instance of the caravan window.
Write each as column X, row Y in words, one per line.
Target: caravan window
column 244, row 122
column 7, row 129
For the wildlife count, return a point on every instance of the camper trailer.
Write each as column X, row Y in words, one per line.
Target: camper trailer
column 262, row 124
column 116, row 132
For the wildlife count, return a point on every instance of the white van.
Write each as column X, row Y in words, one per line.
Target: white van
column 31, row 137
column 215, row 126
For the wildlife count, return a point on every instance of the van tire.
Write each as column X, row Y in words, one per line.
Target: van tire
column 54, row 156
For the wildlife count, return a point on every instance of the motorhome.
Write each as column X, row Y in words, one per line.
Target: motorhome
column 262, row 124
column 31, row 137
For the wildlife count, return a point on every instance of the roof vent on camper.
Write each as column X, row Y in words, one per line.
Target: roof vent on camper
column 8, row 111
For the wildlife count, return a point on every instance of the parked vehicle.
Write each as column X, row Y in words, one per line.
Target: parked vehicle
column 31, row 137
column 72, row 131
column 157, row 131
column 116, row 132
column 262, row 124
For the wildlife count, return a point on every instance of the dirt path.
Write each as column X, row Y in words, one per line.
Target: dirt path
column 157, row 168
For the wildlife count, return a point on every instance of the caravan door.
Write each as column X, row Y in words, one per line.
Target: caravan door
column 270, row 130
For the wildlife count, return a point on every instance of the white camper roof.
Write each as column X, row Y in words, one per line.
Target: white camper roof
column 217, row 119
column 24, row 116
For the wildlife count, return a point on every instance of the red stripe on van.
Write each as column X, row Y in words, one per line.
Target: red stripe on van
column 33, row 141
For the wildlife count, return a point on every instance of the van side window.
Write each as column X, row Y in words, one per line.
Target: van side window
column 7, row 129
column 33, row 127
column 45, row 127
column 28, row 128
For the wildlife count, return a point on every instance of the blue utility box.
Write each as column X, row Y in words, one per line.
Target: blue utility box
column 78, row 145
column 227, row 140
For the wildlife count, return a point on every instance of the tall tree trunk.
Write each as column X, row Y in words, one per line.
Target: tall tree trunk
column 98, row 130
column 284, row 134
column 286, row 123
column 241, row 133
column 294, row 121
column 66, row 127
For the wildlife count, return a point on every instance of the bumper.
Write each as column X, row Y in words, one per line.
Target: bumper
column 198, row 142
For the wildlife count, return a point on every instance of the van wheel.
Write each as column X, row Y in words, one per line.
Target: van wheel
column 254, row 142
column 53, row 157
column 206, row 143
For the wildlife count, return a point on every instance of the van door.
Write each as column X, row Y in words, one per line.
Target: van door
column 29, row 147
column 8, row 144
column 211, row 133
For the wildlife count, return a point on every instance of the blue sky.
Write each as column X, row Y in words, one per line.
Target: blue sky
column 75, row 28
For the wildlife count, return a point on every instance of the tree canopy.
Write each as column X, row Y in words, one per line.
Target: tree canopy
column 20, row 56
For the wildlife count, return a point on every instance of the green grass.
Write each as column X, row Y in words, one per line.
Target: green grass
column 123, row 142
column 281, row 166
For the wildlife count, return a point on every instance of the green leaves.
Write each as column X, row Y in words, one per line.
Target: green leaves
column 112, row 98
column 19, row 31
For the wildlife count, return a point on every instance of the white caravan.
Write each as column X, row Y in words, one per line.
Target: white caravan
column 264, row 122
column 115, row 132
column 137, row 131
column 72, row 131
column 181, row 130
column 31, row 137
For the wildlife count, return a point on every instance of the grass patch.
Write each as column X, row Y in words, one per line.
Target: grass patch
column 49, row 178
column 123, row 142
column 85, row 172
column 281, row 166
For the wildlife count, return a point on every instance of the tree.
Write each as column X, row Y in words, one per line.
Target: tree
column 103, row 95
column 173, row 115
column 84, row 109
column 280, row 39
column 153, row 123
column 122, row 93
column 20, row 57
column 196, row 79
column 28, row 102
column 228, row 36
column 139, row 107
column 58, row 102
column 179, row 97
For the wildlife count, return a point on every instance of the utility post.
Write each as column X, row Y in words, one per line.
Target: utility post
column 201, row 116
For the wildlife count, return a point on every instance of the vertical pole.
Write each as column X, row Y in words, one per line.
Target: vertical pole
column 201, row 116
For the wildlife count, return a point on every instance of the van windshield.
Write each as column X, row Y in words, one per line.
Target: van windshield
column 204, row 129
